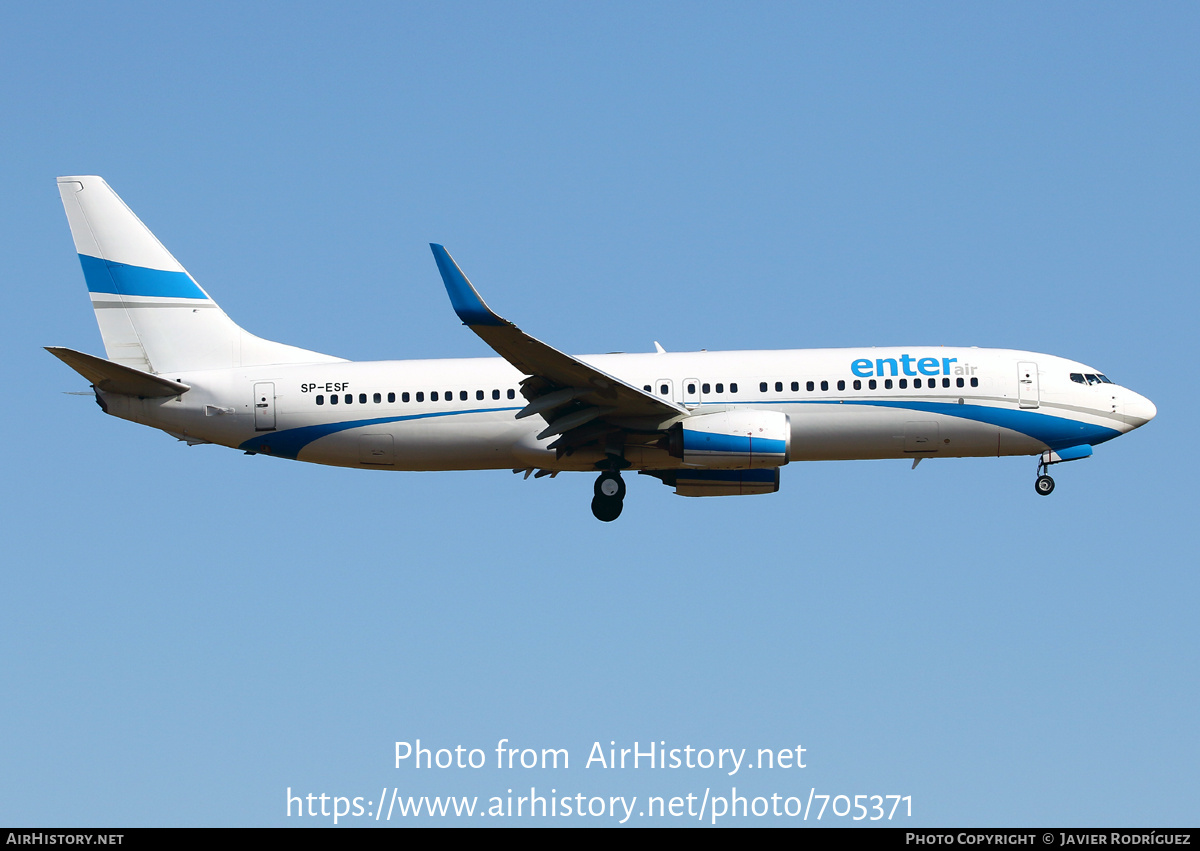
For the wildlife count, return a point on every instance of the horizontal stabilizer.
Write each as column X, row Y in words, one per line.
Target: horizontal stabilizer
column 116, row 378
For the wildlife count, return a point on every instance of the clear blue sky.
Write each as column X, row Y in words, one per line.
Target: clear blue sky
column 188, row 632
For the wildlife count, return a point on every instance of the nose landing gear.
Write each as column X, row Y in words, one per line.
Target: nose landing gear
column 1044, row 485
column 610, row 495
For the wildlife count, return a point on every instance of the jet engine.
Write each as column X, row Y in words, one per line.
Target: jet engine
column 718, row 482
column 732, row 440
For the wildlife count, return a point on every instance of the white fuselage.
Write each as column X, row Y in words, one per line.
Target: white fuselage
column 704, row 423
column 460, row 414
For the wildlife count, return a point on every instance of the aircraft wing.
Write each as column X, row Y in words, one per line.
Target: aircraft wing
column 575, row 399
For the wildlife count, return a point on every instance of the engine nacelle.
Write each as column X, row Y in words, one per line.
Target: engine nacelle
column 732, row 440
column 719, row 482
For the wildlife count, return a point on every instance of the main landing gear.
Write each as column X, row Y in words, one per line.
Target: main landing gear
column 610, row 495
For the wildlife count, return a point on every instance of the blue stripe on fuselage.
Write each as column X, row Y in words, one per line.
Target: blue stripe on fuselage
column 289, row 442
column 1055, row 432
column 104, row 276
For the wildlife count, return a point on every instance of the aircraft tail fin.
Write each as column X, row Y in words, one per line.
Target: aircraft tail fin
column 152, row 314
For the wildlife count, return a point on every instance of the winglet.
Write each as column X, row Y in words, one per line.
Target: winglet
column 467, row 303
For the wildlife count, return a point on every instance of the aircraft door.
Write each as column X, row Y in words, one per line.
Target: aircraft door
column 264, row 406
column 920, row 437
column 1028, row 391
column 376, row 449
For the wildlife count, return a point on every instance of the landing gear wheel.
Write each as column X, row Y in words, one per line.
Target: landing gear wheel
column 610, row 486
column 1044, row 485
column 606, row 508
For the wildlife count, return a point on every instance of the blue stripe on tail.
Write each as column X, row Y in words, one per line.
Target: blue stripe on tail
column 104, row 276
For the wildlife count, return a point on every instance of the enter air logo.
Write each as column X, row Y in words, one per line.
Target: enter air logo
column 908, row 365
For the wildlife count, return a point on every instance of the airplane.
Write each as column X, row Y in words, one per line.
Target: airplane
column 704, row 423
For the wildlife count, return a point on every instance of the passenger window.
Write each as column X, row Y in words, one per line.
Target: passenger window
column 495, row 394
column 478, row 395
column 404, row 397
column 720, row 388
column 512, row 394
column 320, row 400
column 903, row 383
column 648, row 389
column 378, row 398
column 733, row 387
column 872, row 384
column 705, row 388
column 974, row 382
column 691, row 388
column 887, row 384
column 349, row 398
column 857, row 384
column 917, row 383
column 841, row 385
column 333, row 398
column 663, row 390
column 433, row 396
column 945, row 382
column 795, row 386
column 762, row 387
column 824, row 385
column 809, row 386
column 959, row 382
column 420, row 396
column 392, row 398
column 778, row 386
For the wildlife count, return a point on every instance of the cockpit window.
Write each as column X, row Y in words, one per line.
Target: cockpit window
column 1092, row 379
column 1103, row 378
column 1078, row 378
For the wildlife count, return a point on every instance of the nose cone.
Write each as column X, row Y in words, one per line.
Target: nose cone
column 1138, row 410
